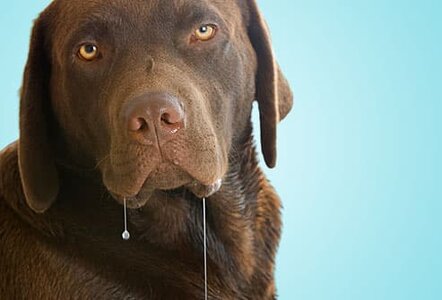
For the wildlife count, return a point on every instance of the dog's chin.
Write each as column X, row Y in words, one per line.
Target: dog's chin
column 149, row 190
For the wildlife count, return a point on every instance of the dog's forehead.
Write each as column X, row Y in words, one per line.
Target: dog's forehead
column 70, row 11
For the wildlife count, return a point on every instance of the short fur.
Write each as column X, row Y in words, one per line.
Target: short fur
column 60, row 225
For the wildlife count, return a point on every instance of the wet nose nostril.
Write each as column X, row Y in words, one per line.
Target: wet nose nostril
column 144, row 125
column 165, row 118
column 172, row 116
column 137, row 124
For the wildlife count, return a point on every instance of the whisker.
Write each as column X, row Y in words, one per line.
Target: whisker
column 101, row 161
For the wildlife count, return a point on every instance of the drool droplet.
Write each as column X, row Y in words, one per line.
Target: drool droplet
column 125, row 235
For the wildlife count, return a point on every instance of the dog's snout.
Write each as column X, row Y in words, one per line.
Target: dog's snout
column 154, row 116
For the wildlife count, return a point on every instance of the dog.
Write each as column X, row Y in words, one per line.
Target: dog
column 148, row 103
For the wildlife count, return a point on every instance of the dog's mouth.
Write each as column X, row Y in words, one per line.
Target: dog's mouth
column 168, row 182
column 138, row 177
column 198, row 189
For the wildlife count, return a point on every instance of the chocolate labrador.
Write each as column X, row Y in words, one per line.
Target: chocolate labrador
column 148, row 103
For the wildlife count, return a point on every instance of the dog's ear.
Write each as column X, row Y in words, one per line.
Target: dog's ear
column 273, row 93
column 38, row 172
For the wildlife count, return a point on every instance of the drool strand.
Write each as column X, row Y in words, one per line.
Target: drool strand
column 125, row 235
column 205, row 248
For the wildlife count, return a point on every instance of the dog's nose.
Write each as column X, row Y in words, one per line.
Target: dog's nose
column 154, row 116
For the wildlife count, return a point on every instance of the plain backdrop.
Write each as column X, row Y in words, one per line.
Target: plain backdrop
column 359, row 162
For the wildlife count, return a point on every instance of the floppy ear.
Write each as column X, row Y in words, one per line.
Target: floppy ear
column 273, row 93
column 36, row 161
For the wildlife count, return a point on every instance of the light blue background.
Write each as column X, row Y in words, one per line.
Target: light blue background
column 359, row 167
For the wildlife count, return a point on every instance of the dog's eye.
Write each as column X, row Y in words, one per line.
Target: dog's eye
column 88, row 52
column 205, row 32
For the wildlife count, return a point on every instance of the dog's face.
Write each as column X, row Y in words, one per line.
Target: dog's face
column 154, row 94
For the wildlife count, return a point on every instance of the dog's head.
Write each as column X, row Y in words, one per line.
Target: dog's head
column 153, row 94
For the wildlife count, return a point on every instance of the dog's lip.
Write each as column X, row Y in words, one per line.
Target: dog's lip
column 140, row 199
column 133, row 201
column 203, row 191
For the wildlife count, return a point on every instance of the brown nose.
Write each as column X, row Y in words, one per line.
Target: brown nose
column 154, row 116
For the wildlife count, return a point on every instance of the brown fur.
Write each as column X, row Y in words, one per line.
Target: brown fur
column 59, row 225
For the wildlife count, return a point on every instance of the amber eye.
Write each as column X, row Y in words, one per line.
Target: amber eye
column 205, row 32
column 88, row 52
